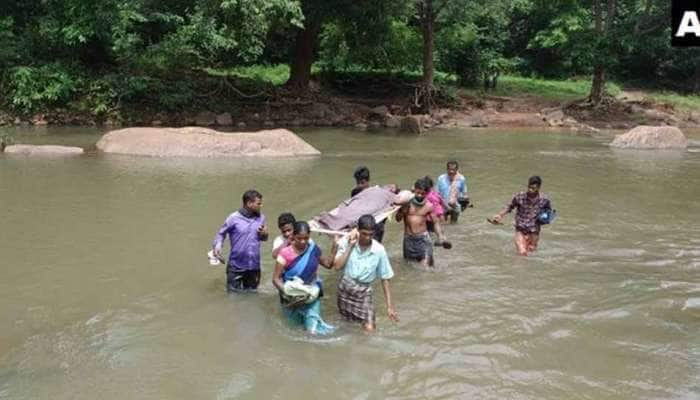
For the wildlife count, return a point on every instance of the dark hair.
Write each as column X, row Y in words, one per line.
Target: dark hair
column 251, row 195
column 429, row 181
column 285, row 218
column 301, row 227
column 361, row 174
column 534, row 180
column 366, row 222
column 421, row 184
column 453, row 163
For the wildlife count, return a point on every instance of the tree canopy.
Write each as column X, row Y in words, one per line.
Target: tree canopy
column 112, row 51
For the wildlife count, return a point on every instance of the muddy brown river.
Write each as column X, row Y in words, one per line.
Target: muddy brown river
column 107, row 294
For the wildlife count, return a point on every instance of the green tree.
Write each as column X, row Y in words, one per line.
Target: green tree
column 604, row 15
column 473, row 45
column 646, row 57
column 583, row 32
column 360, row 23
column 430, row 15
column 69, row 45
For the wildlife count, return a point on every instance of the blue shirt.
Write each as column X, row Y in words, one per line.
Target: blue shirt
column 443, row 187
column 365, row 266
column 242, row 231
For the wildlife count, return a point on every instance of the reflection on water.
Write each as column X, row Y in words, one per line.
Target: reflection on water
column 107, row 292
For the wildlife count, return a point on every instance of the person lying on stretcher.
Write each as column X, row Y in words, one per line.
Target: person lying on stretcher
column 375, row 200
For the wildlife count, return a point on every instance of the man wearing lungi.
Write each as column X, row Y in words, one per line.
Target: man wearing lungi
column 417, row 245
column 363, row 260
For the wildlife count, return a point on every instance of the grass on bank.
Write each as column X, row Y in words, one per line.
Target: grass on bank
column 564, row 90
column 508, row 85
column 549, row 89
column 679, row 102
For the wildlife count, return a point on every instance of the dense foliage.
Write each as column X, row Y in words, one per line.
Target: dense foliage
column 100, row 55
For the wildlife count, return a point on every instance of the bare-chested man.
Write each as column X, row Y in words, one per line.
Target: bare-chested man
column 417, row 245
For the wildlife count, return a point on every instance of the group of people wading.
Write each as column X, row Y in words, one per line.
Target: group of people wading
column 360, row 254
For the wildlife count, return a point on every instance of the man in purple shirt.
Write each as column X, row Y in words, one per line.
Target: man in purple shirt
column 246, row 229
column 527, row 226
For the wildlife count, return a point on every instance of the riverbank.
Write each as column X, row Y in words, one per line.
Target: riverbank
column 369, row 102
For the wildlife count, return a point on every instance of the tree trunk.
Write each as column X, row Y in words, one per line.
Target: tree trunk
column 612, row 6
column 303, row 57
column 427, row 19
column 598, row 83
column 427, row 24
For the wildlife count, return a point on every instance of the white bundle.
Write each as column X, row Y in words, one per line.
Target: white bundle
column 295, row 288
column 213, row 260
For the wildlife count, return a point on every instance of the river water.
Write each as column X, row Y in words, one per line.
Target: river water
column 106, row 292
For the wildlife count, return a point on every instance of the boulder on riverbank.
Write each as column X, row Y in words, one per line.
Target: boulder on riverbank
column 651, row 137
column 411, row 124
column 35, row 150
column 204, row 142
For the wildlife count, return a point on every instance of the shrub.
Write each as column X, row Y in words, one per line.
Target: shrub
column 33, row 88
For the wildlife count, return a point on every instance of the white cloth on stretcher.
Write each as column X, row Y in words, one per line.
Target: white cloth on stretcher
column 377, row 201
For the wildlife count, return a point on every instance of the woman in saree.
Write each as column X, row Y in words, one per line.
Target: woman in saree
column 296, row 278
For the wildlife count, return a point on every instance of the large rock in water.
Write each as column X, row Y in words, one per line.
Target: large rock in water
column 411, row 124
column 651, row 137
column 204, row 142
column 33, row 150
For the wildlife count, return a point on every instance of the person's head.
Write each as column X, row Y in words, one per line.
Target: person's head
column 420, row 189
column 300, row 235
column 252, row 200
column 286, row 224
column 428, row 181
column 365, row 226
column 533, row 186
column 393, row 188
column 452, row 168
column 362, row 176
